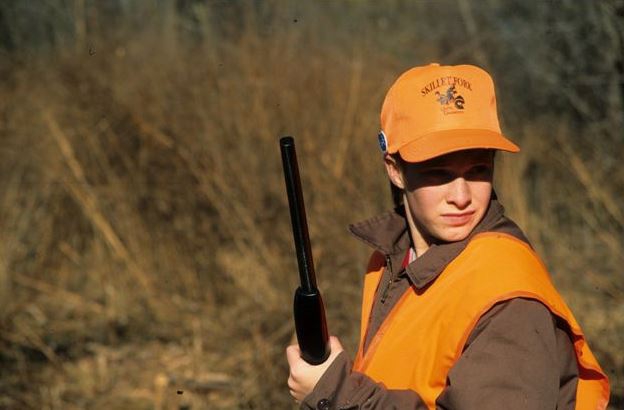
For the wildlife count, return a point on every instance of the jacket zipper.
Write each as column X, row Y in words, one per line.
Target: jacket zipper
column 384, row 295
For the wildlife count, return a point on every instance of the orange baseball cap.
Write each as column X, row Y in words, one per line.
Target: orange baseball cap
column 434, row 110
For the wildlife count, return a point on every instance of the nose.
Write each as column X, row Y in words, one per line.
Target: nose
column 459, row 193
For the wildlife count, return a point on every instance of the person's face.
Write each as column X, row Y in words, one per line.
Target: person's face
column 447, row 195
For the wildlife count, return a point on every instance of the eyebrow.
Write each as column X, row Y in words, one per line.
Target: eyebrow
column 446, row 163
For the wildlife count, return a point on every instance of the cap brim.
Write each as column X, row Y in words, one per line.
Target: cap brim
column 444, row 142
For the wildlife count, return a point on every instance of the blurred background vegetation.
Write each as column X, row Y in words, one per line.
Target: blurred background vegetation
column 146, row 258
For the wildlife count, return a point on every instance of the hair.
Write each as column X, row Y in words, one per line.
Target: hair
column 396, row 192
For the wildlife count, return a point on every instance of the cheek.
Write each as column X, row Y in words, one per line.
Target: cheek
column 481, row 192
column 424, row 201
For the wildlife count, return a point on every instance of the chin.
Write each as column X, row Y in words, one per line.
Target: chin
column 455, row 234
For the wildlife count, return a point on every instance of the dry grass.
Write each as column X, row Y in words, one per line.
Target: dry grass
column 146, row 259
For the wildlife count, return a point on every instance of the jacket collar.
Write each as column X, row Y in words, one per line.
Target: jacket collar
column 388, row 233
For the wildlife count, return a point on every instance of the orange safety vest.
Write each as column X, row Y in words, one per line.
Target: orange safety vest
column 425, row 333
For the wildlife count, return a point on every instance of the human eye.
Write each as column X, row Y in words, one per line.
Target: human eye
column 437, row 176
column 479, row 171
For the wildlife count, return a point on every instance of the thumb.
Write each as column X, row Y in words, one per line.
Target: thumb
column 335, row 345
column 293, row 354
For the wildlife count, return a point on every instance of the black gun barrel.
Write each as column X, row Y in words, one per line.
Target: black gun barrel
column 309, row 311
column 298, row 215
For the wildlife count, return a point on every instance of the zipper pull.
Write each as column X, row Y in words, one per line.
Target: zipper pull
column 384, row 295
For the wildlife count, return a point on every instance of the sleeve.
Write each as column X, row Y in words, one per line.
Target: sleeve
column 341, row 389
column 517, row 356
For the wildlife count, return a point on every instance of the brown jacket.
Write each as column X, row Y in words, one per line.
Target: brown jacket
column 518, row 351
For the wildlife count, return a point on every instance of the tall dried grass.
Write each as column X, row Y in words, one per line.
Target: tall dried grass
column 147, row 260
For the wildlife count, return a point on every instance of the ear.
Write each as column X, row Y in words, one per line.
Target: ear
column 394, row 171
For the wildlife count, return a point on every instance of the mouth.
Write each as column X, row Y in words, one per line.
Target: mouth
column 459, row 218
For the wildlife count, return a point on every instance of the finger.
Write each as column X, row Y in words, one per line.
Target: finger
column 292, row 384
column 299, row 396
column 296, row 394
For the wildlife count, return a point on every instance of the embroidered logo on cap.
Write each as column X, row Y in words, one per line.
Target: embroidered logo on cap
column 383, row 141
column 451, row 102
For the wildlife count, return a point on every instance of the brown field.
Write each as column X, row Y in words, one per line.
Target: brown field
column 146, row 260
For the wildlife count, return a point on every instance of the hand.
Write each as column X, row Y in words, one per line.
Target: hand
column 304, row 376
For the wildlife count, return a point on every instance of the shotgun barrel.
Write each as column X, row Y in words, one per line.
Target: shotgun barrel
column 308, row 309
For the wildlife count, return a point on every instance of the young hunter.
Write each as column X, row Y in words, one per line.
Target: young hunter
column 458, row 311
